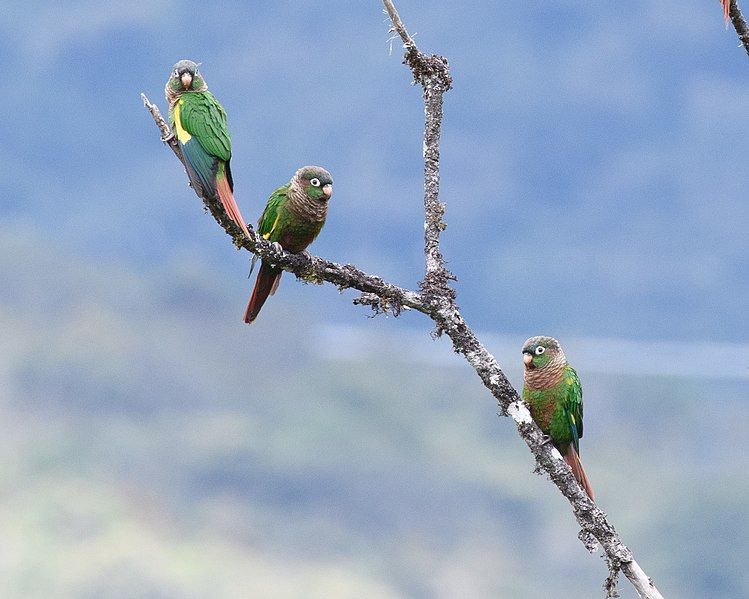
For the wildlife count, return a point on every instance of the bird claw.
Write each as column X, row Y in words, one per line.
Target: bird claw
column 277, row 247
column 252, row 265
column 168, row 138
column 546, row 439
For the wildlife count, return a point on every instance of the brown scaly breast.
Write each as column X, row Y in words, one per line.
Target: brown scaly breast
column 296, row 240
column 542, row 410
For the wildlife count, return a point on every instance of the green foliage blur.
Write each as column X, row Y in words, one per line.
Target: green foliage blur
column 153, row 446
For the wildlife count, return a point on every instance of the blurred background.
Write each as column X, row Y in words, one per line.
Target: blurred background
column 594, row 169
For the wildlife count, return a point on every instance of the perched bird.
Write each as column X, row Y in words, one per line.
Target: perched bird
column 552, row 390
column 199, row 122
column 293, row 216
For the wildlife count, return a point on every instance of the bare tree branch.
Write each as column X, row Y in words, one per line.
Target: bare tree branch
column 437, row 300
column 432, row 72
column 739, row 24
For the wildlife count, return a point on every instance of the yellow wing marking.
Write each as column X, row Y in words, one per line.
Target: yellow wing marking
column 182, row 135
column 273, row 228
column 569, row 381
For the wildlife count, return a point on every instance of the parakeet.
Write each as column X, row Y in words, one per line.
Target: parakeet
column 552, row 390
column 293, row 217
column 199, row 122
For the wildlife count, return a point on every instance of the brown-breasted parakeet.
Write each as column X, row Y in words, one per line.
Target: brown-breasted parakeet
column 552, row 390
column 199, row 123
column 293, row 217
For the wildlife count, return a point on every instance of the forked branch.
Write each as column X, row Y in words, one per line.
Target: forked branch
column 436, row 299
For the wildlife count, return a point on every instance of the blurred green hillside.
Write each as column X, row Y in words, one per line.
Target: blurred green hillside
column 152, row 446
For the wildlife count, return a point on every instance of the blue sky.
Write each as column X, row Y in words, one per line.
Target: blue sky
column 592, row 155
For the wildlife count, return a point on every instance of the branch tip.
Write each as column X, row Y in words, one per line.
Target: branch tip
column 733, row 12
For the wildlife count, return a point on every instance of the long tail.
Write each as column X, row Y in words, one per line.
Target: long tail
column 573, row 460
column 224, row 192
column 726, row 9
column 266, row 284
column 210, row 177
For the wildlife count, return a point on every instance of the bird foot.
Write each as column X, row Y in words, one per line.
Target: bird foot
column 252, row 265
column 545, row 440
column 277, row 247
column 168, row 138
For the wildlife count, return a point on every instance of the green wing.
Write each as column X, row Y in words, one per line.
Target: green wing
column 573, row 405
column 204, row 118
column 268, row 223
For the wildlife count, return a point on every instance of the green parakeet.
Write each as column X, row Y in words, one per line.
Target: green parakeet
column 293, row 217
column 552, row 390
column 199, row 123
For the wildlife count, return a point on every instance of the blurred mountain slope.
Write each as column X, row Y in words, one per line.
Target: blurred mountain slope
column 153, row 446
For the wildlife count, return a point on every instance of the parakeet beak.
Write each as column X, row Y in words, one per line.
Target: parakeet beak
column 527, row 358
column 327, row 190
column 186, row 80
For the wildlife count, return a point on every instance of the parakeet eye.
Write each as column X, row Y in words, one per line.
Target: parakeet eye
column 315, row 182
column 540, row 349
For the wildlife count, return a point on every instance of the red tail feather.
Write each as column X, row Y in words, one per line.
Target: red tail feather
column 230, row 206
column 265, row 285
column 577, row 470
column 726, row 9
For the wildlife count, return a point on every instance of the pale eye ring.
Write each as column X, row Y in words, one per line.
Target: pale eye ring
column 540, row 349
column 315, row 182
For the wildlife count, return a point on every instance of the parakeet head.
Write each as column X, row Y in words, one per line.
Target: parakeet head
column 316, row 182
column 186, row 77
column 539, row 352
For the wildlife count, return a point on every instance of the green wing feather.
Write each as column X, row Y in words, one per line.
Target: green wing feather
column 269, row 218
column 573, row 405
column 204, row 118
column 267, row 225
